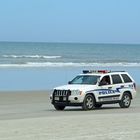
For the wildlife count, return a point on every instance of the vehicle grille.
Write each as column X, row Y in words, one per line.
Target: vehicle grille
column 61, row 96
column 61, row 93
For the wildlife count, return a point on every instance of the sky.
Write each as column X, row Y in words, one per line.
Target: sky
column 84, row 21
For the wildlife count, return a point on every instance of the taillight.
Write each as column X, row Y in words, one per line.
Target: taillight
column 135, row 86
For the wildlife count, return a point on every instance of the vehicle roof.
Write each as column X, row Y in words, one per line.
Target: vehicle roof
column 107, row 73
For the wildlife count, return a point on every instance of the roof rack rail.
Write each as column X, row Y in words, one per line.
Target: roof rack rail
column 99, row 71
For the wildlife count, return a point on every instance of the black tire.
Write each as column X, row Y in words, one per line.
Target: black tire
column 88, row 103
column 57, row 107
column 98, row 105
column 125, row 101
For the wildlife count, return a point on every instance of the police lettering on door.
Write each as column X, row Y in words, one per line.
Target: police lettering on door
column 107, row 91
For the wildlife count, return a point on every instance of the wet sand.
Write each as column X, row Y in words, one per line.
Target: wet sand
column 29, row 115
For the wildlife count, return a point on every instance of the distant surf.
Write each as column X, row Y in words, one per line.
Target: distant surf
column 70, row 64
column 31, row 56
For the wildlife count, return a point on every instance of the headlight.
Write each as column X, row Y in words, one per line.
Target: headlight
column 51, row 96
column 76, row 92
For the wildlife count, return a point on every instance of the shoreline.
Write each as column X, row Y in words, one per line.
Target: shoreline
column 42, row 90
column 45, row 78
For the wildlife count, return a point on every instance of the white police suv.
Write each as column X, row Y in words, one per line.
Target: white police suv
column 92, row 89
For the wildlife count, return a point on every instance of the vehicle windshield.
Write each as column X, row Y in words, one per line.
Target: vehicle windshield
column 85, row 79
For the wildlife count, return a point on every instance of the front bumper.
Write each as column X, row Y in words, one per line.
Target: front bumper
column 66, row 99
column 69, row 101
column 66, row 104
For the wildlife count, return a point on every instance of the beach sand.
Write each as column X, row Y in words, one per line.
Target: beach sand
column 29, row 115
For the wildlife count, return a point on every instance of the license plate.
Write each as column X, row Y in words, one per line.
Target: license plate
column 57, row 98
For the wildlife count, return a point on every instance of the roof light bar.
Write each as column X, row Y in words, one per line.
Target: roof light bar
column 99, row 71
column 95, row 71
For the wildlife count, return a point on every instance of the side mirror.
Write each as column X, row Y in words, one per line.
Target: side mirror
column 98, row 82
column 69, row 82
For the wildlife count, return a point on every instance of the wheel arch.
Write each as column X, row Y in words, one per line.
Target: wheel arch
column 92, row 95
column 129, row 92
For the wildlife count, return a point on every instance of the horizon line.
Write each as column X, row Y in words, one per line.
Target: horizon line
column 68, row 42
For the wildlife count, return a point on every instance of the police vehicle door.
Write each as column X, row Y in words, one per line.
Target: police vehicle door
column 117, row 86
column 106, row 91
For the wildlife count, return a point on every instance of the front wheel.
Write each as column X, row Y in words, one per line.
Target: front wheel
column 58, row 107
column 88, row 103
column 125, row 101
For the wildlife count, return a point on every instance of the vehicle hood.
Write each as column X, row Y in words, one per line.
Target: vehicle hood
column 77, row 87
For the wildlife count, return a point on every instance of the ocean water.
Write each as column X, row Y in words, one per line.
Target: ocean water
column 68, row 54
column 40, row 66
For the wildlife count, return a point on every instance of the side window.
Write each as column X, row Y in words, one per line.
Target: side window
column 116, row 79
column 126, row 78
column 105, row 81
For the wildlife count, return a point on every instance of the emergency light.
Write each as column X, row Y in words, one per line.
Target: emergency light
column 95, row 71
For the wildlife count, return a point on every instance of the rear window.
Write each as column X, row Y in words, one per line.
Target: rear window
column 116, row 79
column 126, row 78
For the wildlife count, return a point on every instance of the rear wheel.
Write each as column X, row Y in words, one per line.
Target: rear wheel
column 89, row 102
column 58, row 107
column 125, row 101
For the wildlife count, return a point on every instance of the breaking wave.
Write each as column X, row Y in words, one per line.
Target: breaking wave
column 31, row 56
column 70, row 64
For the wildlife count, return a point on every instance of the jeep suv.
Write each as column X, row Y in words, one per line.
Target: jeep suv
column 92, row 89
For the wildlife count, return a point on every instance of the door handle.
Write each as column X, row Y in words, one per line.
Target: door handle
column 109, row 87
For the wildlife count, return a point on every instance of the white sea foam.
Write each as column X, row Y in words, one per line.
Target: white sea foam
column 70, row 64
column 31, row 56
